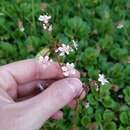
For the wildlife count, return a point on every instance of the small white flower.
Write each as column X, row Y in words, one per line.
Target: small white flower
column 97, row 88
column 21, row 29
column 102, row 79
column 87, row 105
column 50, row 28
column 40, row 59
column 45, row 22
column 51, row 60
column 44, row 26
column 75, row 44
column 120, row 96
column 120, row 25
column 45, row 61
column 44, row 18
column 64, row 49
column 68, row 69
column 20, row 25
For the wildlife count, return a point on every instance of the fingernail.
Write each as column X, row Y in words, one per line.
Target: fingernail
column 75, row 84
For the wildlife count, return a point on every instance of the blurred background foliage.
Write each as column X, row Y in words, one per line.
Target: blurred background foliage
column 103, row 48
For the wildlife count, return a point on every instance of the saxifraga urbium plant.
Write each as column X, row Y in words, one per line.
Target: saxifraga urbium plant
column 60, row 53
column 101, row 28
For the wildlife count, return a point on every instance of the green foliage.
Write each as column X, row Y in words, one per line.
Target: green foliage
column 110, row 126
column 108, row 115
column 120, row 54
column 125, row 117
column 76, row 27
column 85, row 120
column 121, row 128
column 127, row 74
column 127, row 95
column 115, row 72
column 89, row 57
column 102, row 48
column 104, row 90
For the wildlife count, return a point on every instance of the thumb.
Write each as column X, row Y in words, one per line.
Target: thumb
column 44, row 105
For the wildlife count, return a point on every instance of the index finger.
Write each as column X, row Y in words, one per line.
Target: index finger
column 29, row 70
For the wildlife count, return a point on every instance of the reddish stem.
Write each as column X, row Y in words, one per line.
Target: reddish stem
column 57, row 57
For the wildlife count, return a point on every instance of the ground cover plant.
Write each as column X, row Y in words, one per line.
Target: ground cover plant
column 100, row 30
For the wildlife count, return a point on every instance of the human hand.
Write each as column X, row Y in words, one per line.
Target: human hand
column 19, row 81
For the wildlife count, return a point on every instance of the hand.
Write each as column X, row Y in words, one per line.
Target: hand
column 18, row 81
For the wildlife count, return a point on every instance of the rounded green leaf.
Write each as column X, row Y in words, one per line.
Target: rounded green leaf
column 124, row 117
column 108, row 115
column 85, row 120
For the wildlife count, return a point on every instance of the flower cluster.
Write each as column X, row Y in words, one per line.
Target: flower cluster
column 45, row 22
column 64, row 49
column 68, row 69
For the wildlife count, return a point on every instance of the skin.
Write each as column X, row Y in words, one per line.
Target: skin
column 22, row 107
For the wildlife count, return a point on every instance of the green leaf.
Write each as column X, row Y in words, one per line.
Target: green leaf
column 89, row 57
column 108, row 102
column 98, row 117
column 126, row 92
column 104, row 90
column 91, row 99
column 85, row 120
column 92, row 72
column 121, row 128
column 116, row 73
column 76, row 27
column 124, row 117
column 128, row 128
column 110, row 126
column 119, row 54
column 89, row 111
column 108, row 115
column 103, row 11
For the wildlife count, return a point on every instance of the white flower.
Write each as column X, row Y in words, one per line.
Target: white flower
column 44, row 18
column 120, row 25
column 20, row 25
column 21, row 29
column 102, row 79
column 87, row 104
column 44, row 26
column 50, row 28
column 64, row 49
column 75, row 44
column 68, row 69
column 45, row 61
column 97, row 88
